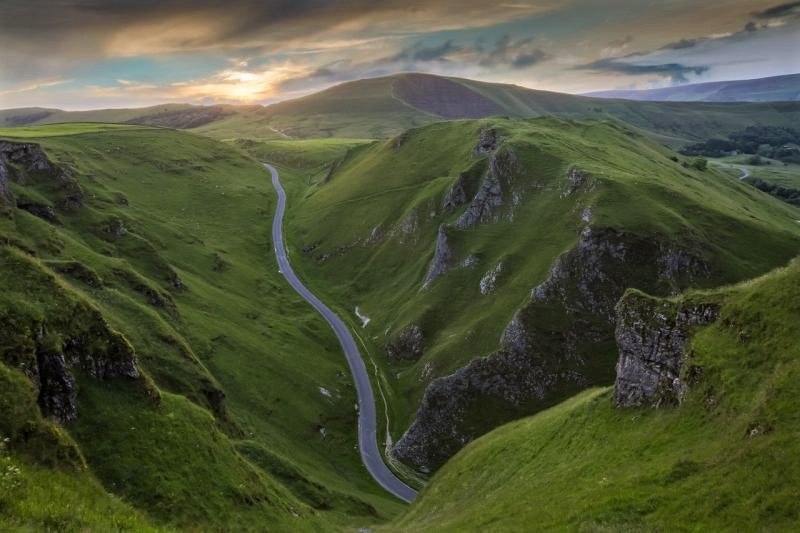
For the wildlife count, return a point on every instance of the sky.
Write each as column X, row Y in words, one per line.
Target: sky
column 83, row 54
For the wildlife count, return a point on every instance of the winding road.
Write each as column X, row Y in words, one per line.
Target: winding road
column 367, row 425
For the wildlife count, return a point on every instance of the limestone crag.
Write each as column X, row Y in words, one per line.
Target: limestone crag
column 89, row 346
column 26, row 163
column 652, row 337
column 489, row 280
column 456, row 196
column 485, row 205
column 442, row 258
column 567, row 325
column 406, row 345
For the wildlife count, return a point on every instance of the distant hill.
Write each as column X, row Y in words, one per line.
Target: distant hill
column 383, row 107
column 772, row 89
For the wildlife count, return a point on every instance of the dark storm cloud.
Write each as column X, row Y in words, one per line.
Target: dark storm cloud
column 779, row 11
column 676, row 72
column 45, row 38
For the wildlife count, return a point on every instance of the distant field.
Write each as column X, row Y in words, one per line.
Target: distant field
column 775, row 172
column 60, row 130
column 305, row 154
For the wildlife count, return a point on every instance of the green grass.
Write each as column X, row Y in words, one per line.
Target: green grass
column 725, row 460
column 238, row 357
column 35, row 498
column 776, row 172
column 741, row 232
column 309, row 155
column 60, row 130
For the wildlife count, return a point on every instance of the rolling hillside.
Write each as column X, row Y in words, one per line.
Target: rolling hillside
column 156, row 371
column 772, row 89
column 722, row 456
column 382, row 107
column 488, row 256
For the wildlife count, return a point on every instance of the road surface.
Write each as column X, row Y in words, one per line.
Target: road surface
column 367, row 432
column 744, row 170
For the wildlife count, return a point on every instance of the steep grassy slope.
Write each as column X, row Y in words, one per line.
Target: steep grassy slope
column 140, row 294
column 725, row 459
column 439, row 235
column 771, row 89
column 382, row 107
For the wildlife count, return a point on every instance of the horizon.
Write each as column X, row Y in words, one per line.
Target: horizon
column 84, row 55
column 587, row 94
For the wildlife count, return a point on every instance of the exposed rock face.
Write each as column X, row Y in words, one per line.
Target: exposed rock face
column 488, row 141
column 91, row 347
column 548, row 347
column 456, row 196
column 408, row 344
column 442, row 258
column 45, row 212
column 651, row 335
column 488, row 197
column 484, row 205
column 32, row 161
column 489, row 280
column 375, row 235
column 577, row 178
column 5, row 190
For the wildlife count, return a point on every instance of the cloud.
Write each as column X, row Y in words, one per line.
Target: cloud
column 779, row 11
column 681, row 44
column 517, row 54
column 418, row 52
column 676, row 72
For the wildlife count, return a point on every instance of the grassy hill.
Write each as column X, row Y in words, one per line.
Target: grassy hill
column 772, row 89
column 725, row 459
column 184, row 383
column 382, row 107
column 440, row 236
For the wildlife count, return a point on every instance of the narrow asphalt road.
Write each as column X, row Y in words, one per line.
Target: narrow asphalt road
column 367, row 432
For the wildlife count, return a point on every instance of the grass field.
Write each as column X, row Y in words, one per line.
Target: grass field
column 61, row 130
column 725, row 460
column 256, row 421
column 787, row 175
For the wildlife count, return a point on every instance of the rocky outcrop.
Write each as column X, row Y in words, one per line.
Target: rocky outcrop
column 45, row 212
column 456, row 196
column 556, row 345
column 576, row 179
column 442, row 258
column 488, row 141
column 85, row 344
column 6, row 196
column 481, row 209
column 489, row 280
column 407, row 345
column 27, row 163
column 485, row 205
column 652, row 335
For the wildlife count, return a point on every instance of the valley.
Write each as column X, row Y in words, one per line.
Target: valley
column 403, row 303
